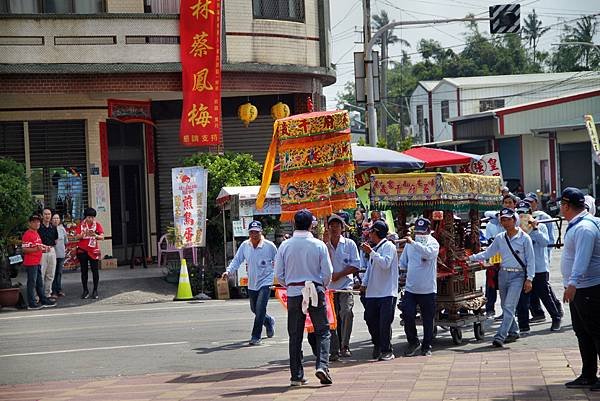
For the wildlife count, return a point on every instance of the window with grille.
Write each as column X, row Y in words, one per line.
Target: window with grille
column 490, row 104
column 59, row 166
column 445, row 110
column 289, row 10
column 12, row 140
column 52, row 6
column 161, row 6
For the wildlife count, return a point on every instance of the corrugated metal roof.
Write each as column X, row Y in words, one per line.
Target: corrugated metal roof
column 428, row 85
column 502, row 80
column 494, row 112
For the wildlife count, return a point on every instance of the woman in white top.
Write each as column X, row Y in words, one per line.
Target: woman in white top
column 60, row 256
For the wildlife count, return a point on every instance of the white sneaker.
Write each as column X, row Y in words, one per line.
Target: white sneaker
column 298, row 383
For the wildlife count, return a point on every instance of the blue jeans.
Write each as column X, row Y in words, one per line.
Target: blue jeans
column 510, row 285
column 258, row 306
column 57, row 282
column 35, row 283
column 379, row 315
column 296, row 319
column 426, row 304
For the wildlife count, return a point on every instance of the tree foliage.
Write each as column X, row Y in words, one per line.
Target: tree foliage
column 16, row 203
column 226, row 170
column 482, row 55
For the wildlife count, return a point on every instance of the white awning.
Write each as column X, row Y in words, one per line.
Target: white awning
column 245, row 193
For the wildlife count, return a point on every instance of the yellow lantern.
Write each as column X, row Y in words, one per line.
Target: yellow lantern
column 247, row 113
column 280, row 110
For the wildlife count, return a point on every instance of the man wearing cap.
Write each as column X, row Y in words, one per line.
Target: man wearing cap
column 419, row 258
column 537, row 313
column 380, row 286
column 345, row 261
column 259, row 253
column 517, row 270
column 580, row 267
column 302, row 264
column 33, row 248
column 540, row 285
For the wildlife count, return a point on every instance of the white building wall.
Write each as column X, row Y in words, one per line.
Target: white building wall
column 418, row 97
column 442, row 131
column 535, row 149
column 550, row 116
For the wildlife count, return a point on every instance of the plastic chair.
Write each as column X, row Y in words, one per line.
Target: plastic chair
column 164, row 246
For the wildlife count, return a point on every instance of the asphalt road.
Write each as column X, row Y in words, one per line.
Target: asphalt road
column 98, row 340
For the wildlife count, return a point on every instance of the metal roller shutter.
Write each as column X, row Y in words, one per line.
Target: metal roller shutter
column 59, row 165
column 12, row 140
column 169, row 154
column 254, row 140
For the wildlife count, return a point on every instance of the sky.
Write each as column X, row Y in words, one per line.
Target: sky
column 346, row 27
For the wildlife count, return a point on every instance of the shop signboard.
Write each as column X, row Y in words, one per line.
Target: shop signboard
column 200, row 54
column 489, row 164
column 189, row 205
column 591, row 129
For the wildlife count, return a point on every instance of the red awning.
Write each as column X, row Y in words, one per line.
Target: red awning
column 440, row 157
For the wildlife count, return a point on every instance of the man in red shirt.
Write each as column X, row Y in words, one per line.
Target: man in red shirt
column 32, row 250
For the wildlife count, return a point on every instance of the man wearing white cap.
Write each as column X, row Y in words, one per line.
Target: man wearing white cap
column 419, row 258
column 259, row 253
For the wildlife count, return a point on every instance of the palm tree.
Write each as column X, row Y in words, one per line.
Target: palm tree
column 532, row 31
column 381, row 20
column 584, row 31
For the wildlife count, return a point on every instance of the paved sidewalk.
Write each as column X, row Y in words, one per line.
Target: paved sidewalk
column 495, row 375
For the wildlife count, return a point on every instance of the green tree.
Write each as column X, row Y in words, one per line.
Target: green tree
column 584, row 31
column 533, row 31
column 229, row 169
column 382, row 19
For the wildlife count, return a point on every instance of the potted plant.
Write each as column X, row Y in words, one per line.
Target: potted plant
column 16, row 205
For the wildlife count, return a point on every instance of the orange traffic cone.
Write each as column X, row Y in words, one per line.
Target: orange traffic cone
column 184, row 289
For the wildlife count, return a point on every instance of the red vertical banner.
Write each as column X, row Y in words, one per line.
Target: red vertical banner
column 103, row 149
column 200, row 47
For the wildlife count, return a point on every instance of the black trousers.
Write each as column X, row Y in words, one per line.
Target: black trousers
column 379, row 315
column 86, row 262
column 585, row 317
column 542, row 290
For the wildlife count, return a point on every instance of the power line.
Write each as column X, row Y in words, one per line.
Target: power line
column 347, row 14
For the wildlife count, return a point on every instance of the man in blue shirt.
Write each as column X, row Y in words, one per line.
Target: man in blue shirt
column 302, row 265
column 345, row 261
column 517, row 270
column 540, row 285
column 380, row 285
column 419, row 258
column 259, row 253
column 580, row 267
column 537, row 313
column 492, row 228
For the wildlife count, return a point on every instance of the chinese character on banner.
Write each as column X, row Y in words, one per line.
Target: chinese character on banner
column 189, row 205
column 489, row 164
column 200, row 44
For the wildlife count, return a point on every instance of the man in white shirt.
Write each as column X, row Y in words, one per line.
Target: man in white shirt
column 419, row 258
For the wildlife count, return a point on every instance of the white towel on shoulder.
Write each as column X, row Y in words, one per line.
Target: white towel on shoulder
column 309, row 296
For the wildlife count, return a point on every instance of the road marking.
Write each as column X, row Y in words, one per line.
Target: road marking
column 66, row 351
column 25, row 315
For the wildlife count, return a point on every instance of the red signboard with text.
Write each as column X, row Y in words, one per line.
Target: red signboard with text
column 200, row 37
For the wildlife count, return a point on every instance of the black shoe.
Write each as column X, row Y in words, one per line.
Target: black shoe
column 497, row 344
column 582, row 382
column 323, row 376
column 388, row 356
column 85, row 294
column 48, row 304
column 511, row 338
column 376, row 352
column 334, row 357
column 537, row 319
column 556, row 324
column 412, row 349
column 524, row 329
column 94, row 294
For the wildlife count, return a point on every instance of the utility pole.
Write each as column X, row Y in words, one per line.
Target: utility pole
column 383, row 78
column 370, row 91
column 371, row 135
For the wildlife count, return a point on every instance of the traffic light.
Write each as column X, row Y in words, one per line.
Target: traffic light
column 505, row 18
